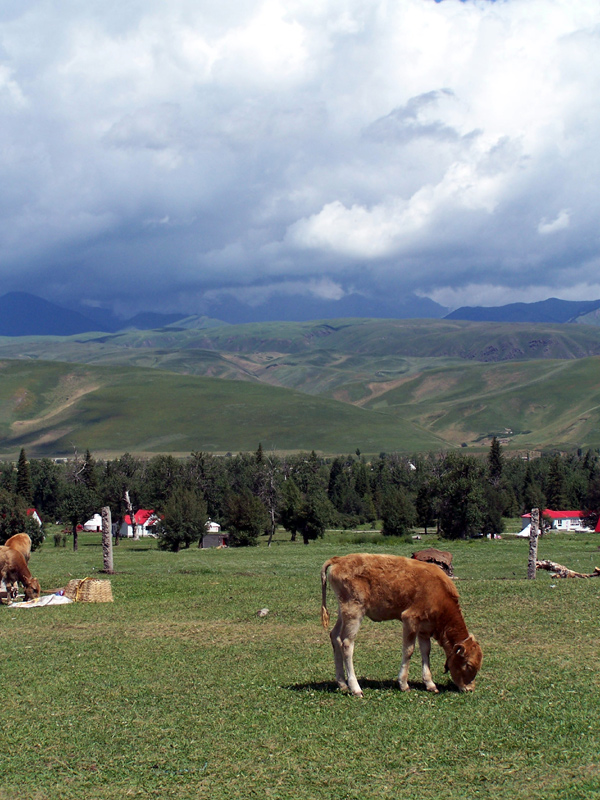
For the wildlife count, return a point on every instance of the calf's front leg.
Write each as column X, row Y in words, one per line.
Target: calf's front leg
column 425, row 648
column 408, row 647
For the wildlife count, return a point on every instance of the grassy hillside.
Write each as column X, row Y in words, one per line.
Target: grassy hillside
column 533, row 404
column 373, row 384
column 473, row 341
column 51, row 407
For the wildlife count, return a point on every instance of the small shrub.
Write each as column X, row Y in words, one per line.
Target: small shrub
column 60, row 539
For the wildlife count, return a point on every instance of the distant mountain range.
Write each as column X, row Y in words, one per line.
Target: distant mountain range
column 551, row 310
column 24, row 314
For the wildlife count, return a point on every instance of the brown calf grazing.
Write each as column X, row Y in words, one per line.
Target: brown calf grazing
column 13, row 568
column 431, row 555
column 22, row 543
column 384, row 587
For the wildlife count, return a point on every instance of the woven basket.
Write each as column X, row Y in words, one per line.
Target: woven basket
column 89, row 590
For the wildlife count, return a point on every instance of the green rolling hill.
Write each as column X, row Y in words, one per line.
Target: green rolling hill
column 530, row 405
column 50, row 408
column 330, row 386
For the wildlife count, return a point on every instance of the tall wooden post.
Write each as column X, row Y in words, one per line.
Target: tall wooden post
column 533, row 542
column 134, row 525
column 107, row 540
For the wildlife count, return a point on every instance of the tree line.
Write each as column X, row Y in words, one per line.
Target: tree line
column 250, row 494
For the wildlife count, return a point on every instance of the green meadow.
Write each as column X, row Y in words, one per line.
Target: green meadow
column 179, row 690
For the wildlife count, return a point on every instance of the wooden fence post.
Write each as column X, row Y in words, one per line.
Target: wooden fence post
column 107, row 550
column 533, row 542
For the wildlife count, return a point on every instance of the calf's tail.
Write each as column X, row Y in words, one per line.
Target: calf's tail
column 324, row 612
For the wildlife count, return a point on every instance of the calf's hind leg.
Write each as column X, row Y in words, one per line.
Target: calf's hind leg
column 336, row 643
column 342, row 638
column 349, row 630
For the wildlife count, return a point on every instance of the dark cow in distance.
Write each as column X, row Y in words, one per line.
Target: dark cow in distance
column 431, row 555
column 421, row 595
column 13, row 569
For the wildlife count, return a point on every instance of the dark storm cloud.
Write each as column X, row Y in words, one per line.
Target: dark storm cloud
column 156, row 155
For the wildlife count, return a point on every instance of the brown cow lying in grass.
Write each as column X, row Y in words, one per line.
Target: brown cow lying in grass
column 13, row 568
column 22, row 543
column 431, row 555
column 384, row 587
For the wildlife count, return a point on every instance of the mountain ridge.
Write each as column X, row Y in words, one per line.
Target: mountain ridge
column 551, row 310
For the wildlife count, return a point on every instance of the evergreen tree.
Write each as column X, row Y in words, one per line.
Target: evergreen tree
column 45, row 481
column 555, row 489
column 398, row 513
column 495, row 462
column 35, row 532
column 184, row 518
column 289, row 508
column 162, row 476
column 425, row 506
column 88, row 472
column 23, row 488
column 533, row 496
column 259, row 456
column 492, row 521
column 246, row 519
column 77, row 505
column 314, row 515
column 207, row 475
column 462, row 500
column 13, row 515
column 7, row 477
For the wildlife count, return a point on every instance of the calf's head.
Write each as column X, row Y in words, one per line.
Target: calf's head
column 464, row 662
column 32, row 589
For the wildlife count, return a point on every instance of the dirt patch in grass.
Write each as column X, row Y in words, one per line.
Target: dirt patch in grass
column 378, row 389
column 22, row 400
column 68, row 396
column 432, row 386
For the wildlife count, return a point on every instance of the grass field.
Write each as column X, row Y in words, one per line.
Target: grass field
column 179, row 690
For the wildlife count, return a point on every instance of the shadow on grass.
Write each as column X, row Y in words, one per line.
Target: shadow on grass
column 330, row 687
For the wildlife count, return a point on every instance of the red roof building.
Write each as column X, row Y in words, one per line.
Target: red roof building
column 564, row 520
column 145, row 520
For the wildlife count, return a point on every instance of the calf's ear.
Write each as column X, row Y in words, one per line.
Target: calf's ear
column 459, row 650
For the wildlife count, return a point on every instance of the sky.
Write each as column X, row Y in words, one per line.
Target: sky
column 156, row 155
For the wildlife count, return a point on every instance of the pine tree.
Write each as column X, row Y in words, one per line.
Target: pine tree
column 184, row 517
column 23, row 478
column 495, row 462
column 555, row 489
column 398, row 513
column 259, row 456
column 88, row 473
column 533, row 496
column 289, row 509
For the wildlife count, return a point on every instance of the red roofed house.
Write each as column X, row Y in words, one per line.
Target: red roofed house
column 564, row 520
column 145, row 521
column 31, row 512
